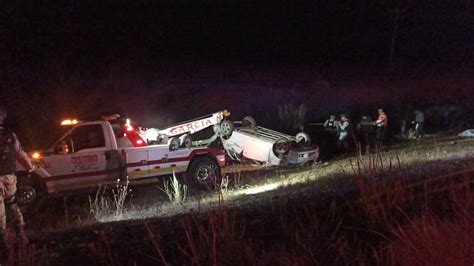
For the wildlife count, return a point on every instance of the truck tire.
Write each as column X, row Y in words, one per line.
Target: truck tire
column 226, row 128
column 281, row 147
column 249, row 121
column 203, row 174
column 29, row 192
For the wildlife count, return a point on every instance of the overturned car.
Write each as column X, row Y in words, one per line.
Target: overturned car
column 269, row 147
column 239, row 139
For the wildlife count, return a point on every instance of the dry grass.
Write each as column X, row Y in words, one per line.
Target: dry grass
column 106, row 207
column 176, row 192
column 400, row 209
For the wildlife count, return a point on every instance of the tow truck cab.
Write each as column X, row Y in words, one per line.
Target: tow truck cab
column 97, row 153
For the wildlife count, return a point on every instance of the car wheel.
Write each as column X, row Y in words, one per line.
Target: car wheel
column 249, row 121
column 303, row 138
column 226, row 128
column 174, row 144
column 281, row 147
column 203, row 174
column 186, row 141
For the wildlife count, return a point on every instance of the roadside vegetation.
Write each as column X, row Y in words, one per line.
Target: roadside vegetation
column 411, row 205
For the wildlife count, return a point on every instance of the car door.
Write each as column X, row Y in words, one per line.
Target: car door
column 82, row 159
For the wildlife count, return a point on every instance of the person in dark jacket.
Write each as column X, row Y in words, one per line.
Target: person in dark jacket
column 330, row 124
column 419, row 123
column 365, row 130
column 10, row 153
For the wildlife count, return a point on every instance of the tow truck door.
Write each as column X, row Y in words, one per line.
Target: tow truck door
column 88, row 162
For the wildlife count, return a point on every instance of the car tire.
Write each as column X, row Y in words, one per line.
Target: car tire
column 249, row 121
column 186, row 141
column 173, row 144
column 303, row 138
column 226, row 128
column 281, row 147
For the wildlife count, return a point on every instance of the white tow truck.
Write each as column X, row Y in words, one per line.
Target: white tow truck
column 97, row 153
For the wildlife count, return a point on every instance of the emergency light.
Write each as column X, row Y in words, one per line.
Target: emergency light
column 128, row 125
column 68, row 122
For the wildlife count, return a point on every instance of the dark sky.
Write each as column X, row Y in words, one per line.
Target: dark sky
column 78, row 57
column 81, row 36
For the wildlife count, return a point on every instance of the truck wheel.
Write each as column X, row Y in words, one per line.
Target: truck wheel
column 281, row 147
column 27, row 194
column 173, row 144
column 203, row 174
column 303, row 138
column 226, row 127
column 249, row 121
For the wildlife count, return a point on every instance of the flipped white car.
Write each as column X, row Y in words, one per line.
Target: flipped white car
column 239, row 139
column 267, row 146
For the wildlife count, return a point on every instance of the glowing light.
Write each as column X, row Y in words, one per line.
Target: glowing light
column 226, row 113
column 139, row 141
column 260, row 189
column 128, row 124
column 221, row 159
column 68, row 122
column 36, row 155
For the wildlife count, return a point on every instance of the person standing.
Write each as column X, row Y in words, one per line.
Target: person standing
column 343, row 127
column 330, row 124
column 419, row 123
column 330, row 136
column 10, row 153
column 381, row 123
column 365, row 130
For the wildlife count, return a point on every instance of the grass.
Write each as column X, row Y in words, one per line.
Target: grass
column 109, row 205
column 383, row 208
column 176, row 192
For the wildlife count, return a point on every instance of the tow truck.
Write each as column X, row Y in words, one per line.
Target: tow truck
column 100, row 152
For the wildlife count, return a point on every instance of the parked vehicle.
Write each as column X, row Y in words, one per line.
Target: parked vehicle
column 97, row 153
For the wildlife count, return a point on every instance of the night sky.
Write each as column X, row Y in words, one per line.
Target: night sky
column 79, row 57
column 82, row 36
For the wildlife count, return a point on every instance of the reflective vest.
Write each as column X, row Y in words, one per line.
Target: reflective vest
column 7, row 152
column 382, row 120
column 331, row 124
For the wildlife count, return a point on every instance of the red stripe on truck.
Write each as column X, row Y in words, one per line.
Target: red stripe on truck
column 117, row 170
column 179, row 159
column 76, row 175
